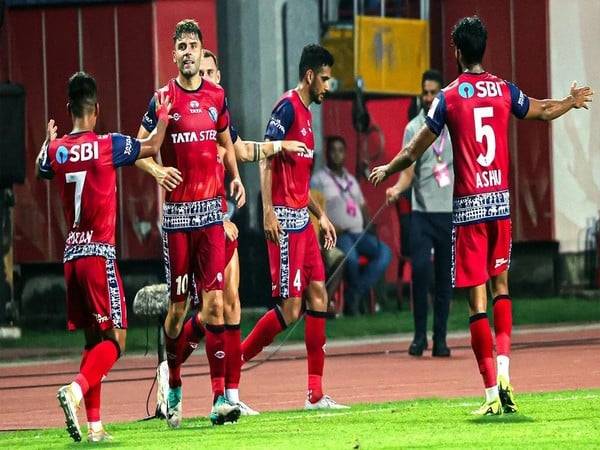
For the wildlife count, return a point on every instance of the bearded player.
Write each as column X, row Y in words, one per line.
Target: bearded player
column 192, row 226
column 169, row 178
column 294, row 254
column 476, row 107
column 83, row 164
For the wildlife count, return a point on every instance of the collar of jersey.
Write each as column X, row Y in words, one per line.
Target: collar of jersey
column 190, row 90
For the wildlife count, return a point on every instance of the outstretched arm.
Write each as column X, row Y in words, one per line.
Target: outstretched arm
column 246, row 151
column 550, row 109
column 407, row 156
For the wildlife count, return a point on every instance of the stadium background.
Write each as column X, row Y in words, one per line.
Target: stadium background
column 126, row 45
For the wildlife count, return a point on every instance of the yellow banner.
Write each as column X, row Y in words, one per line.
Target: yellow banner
column 391, row 54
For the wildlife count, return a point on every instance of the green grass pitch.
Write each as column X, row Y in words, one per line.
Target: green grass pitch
column 567, row 419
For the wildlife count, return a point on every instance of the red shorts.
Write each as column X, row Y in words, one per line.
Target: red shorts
column 480, row 251
column 295, row 262
column 94, row 294
column 230, row 247
column 194, row 261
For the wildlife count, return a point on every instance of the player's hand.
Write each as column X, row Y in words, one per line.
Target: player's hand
column 51, row 131
column 168, row 177
column 238, row 192
column 328, row 232
column 163, row 105
column 231, row 231
column 379, row 174
column 392, row 195
column 272, row 226
column 581, row 95
column 294, row 146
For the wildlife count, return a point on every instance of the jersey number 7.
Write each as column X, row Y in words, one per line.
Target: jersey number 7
column 79, row 179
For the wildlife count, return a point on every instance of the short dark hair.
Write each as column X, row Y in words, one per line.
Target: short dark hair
column 469, row 35
column 330, row 140
column 432, row 75
column 314, row 57
column 187, row 26
column 82, row 94
column 206, row 53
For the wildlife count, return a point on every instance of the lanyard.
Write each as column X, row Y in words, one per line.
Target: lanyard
column 439, row 149
column 343, row 190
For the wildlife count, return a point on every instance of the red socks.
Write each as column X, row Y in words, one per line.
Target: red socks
column 314, row 338
column 92, row 398
column 503, row 323
column 97, row 363
column 215, row 352
column 483, row 347
column 233, row 359
column 263, row 333
column 180, row 348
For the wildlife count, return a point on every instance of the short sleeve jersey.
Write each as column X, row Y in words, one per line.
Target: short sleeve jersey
column 476, row 108
column 291, row 120
column 84, row 167
column 191, row 139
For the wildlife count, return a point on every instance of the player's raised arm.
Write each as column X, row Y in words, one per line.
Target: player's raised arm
column 407, row 156
column 550, row 109
column 229, row 159
column 150, row 145
column 167, row 177
column 42, row 165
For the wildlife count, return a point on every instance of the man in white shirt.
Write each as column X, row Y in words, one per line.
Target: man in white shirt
column 347, row 210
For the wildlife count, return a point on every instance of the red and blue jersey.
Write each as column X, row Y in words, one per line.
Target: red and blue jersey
column 84, row 167
column 291, row 120
column 190, row 144
column 476, row 108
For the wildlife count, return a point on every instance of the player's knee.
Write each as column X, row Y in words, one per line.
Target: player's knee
column 290, row 309
column 213, row 309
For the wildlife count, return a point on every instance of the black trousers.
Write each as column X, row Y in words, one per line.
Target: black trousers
column 431, row 231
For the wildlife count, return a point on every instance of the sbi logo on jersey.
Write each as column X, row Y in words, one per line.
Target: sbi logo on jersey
column 466, row 90
column 62, row 154
column 83, row 152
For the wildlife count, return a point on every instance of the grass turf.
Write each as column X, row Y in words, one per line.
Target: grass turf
column 527, row 311
column 568, row 419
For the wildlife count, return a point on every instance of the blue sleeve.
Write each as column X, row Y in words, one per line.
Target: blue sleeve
column 125, row 150
column 150, row 120
column 436, row 117
column 45, row 168
column 280, row 122
column 233, row 132
column 519, row 101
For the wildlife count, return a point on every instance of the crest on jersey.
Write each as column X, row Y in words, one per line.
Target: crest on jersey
column 466, row 90
column 212, row 112
column 62, row 154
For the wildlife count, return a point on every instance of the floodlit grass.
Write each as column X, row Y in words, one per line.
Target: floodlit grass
column 527, row 311
column 568, row 419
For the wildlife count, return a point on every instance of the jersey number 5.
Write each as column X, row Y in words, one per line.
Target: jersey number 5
column 79, row 179
column 483, row 130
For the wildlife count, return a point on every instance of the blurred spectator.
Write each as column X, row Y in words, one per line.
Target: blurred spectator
column 432, row 181
column 347, row 210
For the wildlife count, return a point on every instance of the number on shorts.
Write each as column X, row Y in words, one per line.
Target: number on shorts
column 297, row 282
column 79, row 179
column 182, row 284
column 486, row 131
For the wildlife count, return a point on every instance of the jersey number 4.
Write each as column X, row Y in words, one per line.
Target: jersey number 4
column 484, row 130
column 79, row 179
